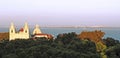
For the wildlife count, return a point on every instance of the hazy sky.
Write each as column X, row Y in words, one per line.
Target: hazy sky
column 60, row 12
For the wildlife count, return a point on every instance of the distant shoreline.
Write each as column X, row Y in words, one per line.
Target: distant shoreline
column 80, row 27
column 66, row 27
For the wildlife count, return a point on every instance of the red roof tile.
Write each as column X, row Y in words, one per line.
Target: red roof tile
column 21, row 30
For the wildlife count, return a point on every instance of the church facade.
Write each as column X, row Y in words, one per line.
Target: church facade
column 23, row 33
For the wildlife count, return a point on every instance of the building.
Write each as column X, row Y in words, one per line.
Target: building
column 23, row 33
column 37, row 30
column 38, row 34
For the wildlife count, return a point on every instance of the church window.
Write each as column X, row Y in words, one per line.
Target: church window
column 25, row 31
column 11, row 31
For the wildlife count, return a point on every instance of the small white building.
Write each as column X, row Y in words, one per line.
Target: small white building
column 38, row 34
column 37, row 30
column 23, row 33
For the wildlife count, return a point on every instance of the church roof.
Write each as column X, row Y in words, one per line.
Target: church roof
column 42, row 34
column 21, row 30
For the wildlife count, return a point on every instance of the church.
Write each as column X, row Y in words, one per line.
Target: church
column 37, row 33
column 24, row 33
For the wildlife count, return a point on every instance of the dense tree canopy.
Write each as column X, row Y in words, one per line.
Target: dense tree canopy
column 66, row 45
column 113, row 50
column 110, row 42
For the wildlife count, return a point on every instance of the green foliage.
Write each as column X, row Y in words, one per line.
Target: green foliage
column 64, row 46
column 113, row 48
column 114, row 51
column 110, row 42
column 10, row 56
column 100, row 47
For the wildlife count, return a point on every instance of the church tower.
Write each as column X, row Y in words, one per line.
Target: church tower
column 37, row 30
column 12, row 32
column 26, row 30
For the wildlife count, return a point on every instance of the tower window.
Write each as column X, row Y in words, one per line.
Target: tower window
column 11, row 31
column 25, row 31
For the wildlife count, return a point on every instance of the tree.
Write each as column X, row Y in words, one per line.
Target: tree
column 10, row 56
column 110, row 42
column 114, row 51
column 66, row 45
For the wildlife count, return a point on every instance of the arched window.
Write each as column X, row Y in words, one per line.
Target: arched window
column 11, row 31
column 25, row 31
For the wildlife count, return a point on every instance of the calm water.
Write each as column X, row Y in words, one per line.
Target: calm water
column 109, row 32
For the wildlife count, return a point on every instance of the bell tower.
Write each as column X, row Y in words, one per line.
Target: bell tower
column 26, row 30
column 11, row 32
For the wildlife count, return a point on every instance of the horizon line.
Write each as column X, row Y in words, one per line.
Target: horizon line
column 68, row 26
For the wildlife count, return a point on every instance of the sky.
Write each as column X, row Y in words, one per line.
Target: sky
column 60, row 12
